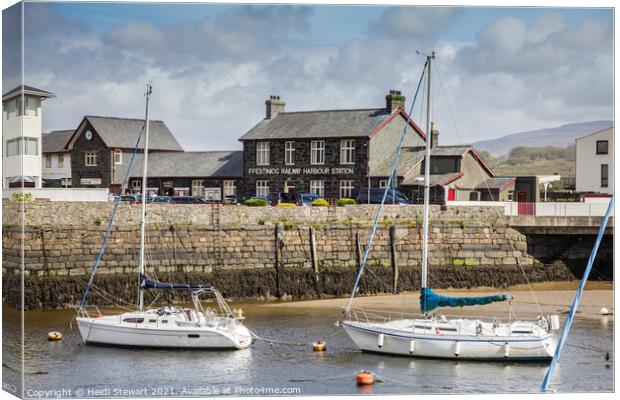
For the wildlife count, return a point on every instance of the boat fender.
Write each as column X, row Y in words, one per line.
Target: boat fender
column 411, row 346
column 54, row 336
column 604, row 311
column 506, row 350
column 457, row 348
column 319, row 346
column 555, row 322
column 365, row 378
column 380, row 340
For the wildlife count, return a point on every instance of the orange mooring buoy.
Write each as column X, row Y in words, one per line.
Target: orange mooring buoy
column 365, row 378
column 319, row 346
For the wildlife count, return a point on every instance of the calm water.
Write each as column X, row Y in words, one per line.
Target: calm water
column 88, row 371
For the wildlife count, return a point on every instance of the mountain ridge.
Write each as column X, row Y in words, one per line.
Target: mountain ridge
column 559, row 136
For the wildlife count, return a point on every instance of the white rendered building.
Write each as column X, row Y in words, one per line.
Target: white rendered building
column 21, row 136
column 56, row 159
column 594, row 169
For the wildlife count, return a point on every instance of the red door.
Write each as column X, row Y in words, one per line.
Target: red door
column 525, row 208
column 451, row 194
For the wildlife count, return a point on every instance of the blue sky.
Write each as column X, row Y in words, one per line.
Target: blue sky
column 502, row 70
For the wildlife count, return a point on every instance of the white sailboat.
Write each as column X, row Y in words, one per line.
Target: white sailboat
column 438, row 336
column 201, row 326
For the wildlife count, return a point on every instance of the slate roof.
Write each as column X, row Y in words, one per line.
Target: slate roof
column 437, row 179
column 216, row 164
column 123, row 133
column 26, row 89
column 496, row 183
column 55, row 141
column 319, row 124
column 410, row 156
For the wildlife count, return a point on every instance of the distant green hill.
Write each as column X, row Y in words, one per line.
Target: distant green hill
column 546, row 160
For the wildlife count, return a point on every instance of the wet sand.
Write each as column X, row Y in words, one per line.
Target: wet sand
column 552, row 297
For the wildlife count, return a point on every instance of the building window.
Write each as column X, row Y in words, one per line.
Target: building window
column 383, row 183
column 604, row 175
column 90, row 159
column 602, row 147
column 198, row 188
column 118, row 156
column 13, row 147
column 61, row 161
column 289, row 187
column 511, row 195
column 229, row 188
column 347, row 151
column 32, row 146
column 346, row 188
column 262, row 189
column 289, row 153
column 31, row 107
column 48, row 161
column 317, row 152
column 136, row 184
column 11, row 109
column 262, row 153
column 317, row 187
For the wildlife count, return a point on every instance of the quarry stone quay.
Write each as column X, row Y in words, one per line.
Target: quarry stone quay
column 281, row 252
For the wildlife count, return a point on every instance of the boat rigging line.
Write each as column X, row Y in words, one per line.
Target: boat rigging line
column 388, row 185
column 573, row 310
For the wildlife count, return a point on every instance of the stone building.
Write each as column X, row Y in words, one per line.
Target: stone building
column 101, row 148
column 207, row 174
column 328, row 152
column 335, row 153
column 56, row 159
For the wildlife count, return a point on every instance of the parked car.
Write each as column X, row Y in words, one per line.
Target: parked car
column 132, row 198
column 276, row 198
column 306, row 199
column 187, row 200
column 162, row 199
column 231, row 199
column 375, row 195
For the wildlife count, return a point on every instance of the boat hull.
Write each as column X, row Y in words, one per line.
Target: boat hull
column 367, row 338
column 96, row 331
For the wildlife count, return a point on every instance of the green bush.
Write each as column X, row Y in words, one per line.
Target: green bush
column 26, row 196
column 320, row 203
column 256, row 202
column 287, row 205
column 346, row 201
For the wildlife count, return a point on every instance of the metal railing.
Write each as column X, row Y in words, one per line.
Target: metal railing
column 556, row 209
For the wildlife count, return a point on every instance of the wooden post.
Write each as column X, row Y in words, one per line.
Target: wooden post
column 315, row 262
column 278, row 253
column 393, row 258
column 359, row 254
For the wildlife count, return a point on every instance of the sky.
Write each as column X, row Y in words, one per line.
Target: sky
column 497, row 70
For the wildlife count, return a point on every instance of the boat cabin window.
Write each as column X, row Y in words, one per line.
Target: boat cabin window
column 152, row 321
column 164, row 321
column 133, row 320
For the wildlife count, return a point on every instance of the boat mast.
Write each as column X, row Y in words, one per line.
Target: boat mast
column 144, row 181
column 427, row 173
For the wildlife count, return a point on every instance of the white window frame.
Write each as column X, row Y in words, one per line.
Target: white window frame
column 31, row 101
column 230, row 188
column 262, row 153
column 136, row 184
column 317, row 152
column 317, row 186
column 14, row 147
column 61, row 160
column 48, row 161
column 346, row 188
column 262, row 188
column 90, row 158
column 28, row 142
column 289, row 153
column 383, row 183
column 198, row 187
column 347, row 151
column 118, row 156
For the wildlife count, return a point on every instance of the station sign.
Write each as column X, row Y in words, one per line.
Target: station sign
column 301, row 171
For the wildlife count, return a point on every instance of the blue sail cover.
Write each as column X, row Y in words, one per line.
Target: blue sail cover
column 146, row 283
column 430, row 300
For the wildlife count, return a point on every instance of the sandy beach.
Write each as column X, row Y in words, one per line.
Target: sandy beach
column 552, row 297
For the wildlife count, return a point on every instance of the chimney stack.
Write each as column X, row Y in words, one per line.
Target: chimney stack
column 394, row 100
column 274, row 105
column 434, row 135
